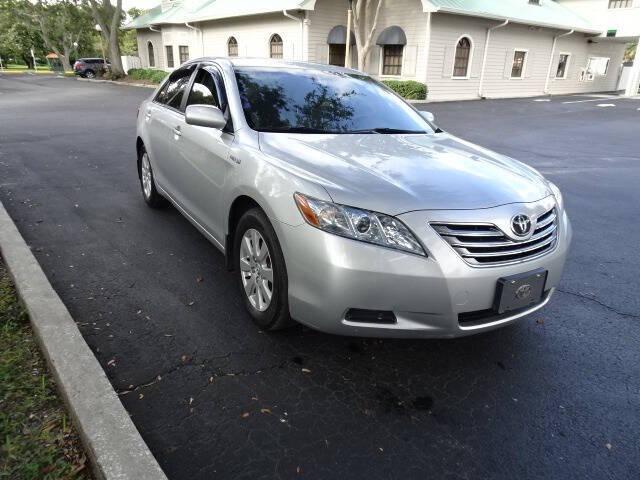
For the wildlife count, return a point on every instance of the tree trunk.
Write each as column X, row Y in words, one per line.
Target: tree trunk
column 116, row 60
column 109, row 29
column 27, row 60
column 365, row 28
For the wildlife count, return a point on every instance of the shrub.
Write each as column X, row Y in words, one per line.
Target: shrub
column 150, row 74
column 409, row 89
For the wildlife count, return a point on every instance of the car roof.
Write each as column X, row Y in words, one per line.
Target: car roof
column 270, row 62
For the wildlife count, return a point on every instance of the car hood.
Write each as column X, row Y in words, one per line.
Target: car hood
column 395, row 174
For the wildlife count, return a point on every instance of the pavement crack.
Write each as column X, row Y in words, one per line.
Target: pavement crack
column 602, row 304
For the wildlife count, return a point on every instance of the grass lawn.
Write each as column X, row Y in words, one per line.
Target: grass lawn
column 37, row 440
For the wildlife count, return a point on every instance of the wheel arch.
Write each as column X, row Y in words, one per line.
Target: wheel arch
column 240, row 205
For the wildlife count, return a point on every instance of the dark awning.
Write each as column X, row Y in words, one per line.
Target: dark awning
column 392, row 36
column 338, row 35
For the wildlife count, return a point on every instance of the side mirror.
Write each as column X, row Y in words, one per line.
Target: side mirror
column 428, row 116
column 205, row 116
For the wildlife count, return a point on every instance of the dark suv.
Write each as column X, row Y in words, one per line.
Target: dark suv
column 90, row 67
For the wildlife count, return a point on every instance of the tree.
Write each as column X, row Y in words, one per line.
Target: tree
column 62, row 24
column 128, row 39
column 630, row 52
column 109, row 18
column 365, row 23
column 18, row 37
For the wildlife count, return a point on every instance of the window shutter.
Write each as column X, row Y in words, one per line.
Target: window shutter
column 374, row 60
column 530, row 64
column 508, row 63
column 447, row 62
column 322, row 54
column 410, row 58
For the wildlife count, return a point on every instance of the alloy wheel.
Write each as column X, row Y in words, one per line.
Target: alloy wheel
column 146, row 175
column 256, row 269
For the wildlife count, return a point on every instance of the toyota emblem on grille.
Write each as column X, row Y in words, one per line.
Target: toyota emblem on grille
column 521, row 225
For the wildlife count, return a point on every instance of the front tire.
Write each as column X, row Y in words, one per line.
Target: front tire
column 147, row 182
column 261, row 271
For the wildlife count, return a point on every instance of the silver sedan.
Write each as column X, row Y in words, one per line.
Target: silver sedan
column 341, row 206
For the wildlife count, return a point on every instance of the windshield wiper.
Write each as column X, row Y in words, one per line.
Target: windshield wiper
column 296, row 130
column 384, row 130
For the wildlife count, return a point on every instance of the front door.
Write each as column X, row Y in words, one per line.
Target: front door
column 205, row 156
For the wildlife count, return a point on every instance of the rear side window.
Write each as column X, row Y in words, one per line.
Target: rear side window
column 172, row 92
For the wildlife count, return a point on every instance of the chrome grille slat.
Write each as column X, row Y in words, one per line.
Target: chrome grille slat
column 506, row 243
column 508, row 253
column 543, row 222
column 484, row 244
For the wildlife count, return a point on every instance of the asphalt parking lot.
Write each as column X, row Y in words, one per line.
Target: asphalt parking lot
column 555, row 396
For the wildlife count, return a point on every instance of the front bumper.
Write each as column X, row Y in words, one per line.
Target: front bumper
column 329, row 275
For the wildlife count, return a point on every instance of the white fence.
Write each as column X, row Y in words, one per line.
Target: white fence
column 129, row 62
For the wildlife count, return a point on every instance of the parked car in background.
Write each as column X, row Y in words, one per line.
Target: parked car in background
column 341, row 206
column 90, row 67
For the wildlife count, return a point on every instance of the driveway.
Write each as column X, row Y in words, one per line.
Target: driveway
column 555, row 396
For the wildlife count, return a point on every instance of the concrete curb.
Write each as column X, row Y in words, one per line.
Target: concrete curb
column 113, row 444
column 126, row 84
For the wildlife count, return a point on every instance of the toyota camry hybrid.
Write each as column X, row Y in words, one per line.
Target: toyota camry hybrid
column 339, row 205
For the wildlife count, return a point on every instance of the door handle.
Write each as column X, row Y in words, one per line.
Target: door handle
column 177, row 132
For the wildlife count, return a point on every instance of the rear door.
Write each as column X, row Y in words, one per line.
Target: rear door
column 165, row 119
column 205, row 155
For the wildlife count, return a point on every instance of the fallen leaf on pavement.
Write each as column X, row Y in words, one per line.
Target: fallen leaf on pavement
column 306, row 370
column 245, row 414
column 265, row 410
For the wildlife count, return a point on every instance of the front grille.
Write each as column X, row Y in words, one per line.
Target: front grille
column 484, row 244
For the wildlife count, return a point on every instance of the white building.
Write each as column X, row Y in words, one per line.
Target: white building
column 462, row 49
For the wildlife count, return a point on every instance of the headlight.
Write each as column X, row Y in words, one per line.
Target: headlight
column 363, row 225
column 558, row 194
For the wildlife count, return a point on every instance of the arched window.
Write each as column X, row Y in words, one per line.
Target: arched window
column 232, row 47
column 152, row 57
column 463, row 58
column 275, row 46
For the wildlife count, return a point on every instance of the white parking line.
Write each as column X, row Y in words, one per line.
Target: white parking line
column 583, row 101
column 604, row 105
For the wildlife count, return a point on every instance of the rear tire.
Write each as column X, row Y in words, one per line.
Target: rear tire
column 147, row 182
column 261, row 271
column 90, row 74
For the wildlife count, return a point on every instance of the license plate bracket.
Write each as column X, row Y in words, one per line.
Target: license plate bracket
column 520, row 291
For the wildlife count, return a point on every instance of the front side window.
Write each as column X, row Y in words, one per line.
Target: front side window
column 172, row 92
column 463, row 55
column 184, row 53
column 203, row 91
column 152, row 57
column 276, row 47
column 170, row 62
column 519, row 58
column 311, row 101
column 392, row 59
column 620, row 3
column 562, row 66
column 232, row 46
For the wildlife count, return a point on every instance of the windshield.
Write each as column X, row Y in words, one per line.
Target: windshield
column 277, row 99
